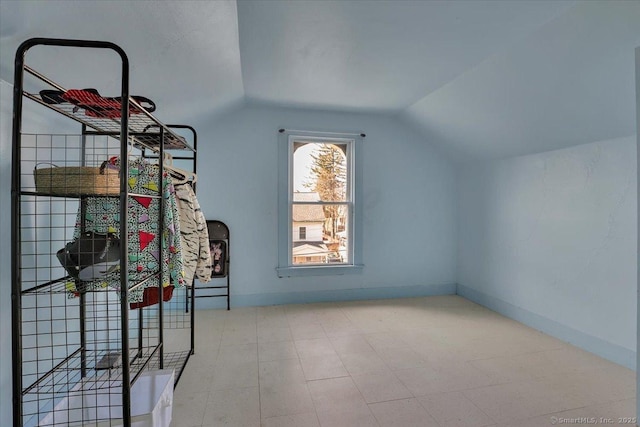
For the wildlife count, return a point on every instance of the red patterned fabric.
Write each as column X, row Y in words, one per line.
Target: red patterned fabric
column 145, row 239
column 95, row 105
column 144, row 201
column 150, row 297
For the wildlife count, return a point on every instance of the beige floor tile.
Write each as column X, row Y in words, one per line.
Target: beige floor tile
column 401, row 357
column 196, row 378
column 453, row 409
column 270, row 310
column 521, row 400
column 266, row 335
column 561, row 361
column 240, row 336
column 505, row 369
column 527, row 338
column 442, row 378
column 380, row 386
column 436, row 353
column 240, row 375
column 359, row 417
column 272, row 319
column 402, row 413
column 272, row 322
column 306, row 331
column 468, row 366
column 487, row 347
column 276, row 351
column 235, row 407
column 368, row 323
column 361, row 363
column 384, row 340
column 350, row 344
column 210, row 348
column 175, row 340
column 316, row 368
column 608, row 414
column 341, row 329
column 309, row 419
column 457, row 375
column 282, row 371
column 415, row 336
column 233, row 354
column 301, row 313
column 238, row 321
column 188, row 408
column 285, row 399
column 317, row 347
column 205, row 338
column 336, row 394
column 417, row 380
column 592, row 387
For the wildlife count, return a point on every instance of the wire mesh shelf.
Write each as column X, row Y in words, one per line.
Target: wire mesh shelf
column 144, row 128
column 85, row 331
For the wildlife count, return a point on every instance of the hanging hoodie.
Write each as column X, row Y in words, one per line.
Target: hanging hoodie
column 196, row 255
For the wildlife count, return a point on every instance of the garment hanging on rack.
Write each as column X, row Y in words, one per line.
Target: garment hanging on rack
column 102, row 214
column 196, row 254
column 180, row 176
column 93, row 103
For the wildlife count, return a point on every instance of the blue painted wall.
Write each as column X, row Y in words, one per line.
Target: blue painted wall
column 550, row 239
column 408, row 197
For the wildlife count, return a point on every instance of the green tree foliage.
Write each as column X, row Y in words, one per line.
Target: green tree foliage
column 329, row 180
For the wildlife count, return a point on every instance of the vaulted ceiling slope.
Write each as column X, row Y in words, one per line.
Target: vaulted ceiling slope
column 184, row 55
column 480, row 79
column 570, row 82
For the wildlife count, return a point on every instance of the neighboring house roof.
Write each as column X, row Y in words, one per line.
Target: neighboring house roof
column 307, row 213
column 309, row 249
column 306, row 196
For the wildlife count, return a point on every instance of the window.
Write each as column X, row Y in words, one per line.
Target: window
column 319, row 216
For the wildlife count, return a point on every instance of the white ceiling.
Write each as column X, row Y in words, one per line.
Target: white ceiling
column 184, row 55
column 377, row 55
column 480, row 79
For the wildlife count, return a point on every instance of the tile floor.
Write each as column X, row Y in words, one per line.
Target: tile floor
column 435, row 361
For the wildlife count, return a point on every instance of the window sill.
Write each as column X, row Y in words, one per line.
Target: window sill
column 334, row 270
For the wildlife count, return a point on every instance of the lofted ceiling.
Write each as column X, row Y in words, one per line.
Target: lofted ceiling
column 479, row 79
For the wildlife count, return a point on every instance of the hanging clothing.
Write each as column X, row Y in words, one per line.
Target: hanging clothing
column 94, row 104
column 151, row 296
column 196, row 254
column 147, row 245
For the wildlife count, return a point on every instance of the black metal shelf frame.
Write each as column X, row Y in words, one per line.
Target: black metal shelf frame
column 48, row 362
column 218, row 234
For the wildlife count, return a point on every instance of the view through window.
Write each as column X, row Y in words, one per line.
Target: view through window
column 320, row 202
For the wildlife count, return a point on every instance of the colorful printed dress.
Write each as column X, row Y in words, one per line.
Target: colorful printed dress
column 147, row 244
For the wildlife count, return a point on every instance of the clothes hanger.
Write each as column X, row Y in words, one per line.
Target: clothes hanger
column 184, row 176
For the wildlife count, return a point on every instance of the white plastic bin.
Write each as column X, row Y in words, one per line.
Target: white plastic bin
column 151, row 403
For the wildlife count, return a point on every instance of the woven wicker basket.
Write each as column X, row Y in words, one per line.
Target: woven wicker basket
column 75, row 181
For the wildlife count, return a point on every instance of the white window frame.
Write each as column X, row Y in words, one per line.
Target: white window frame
column 285, row 267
